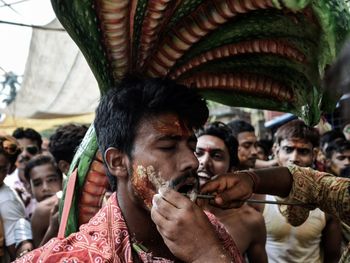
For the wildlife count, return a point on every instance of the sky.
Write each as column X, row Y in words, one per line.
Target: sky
column 15, row 40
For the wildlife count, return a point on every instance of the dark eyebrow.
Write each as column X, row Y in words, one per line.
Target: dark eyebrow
column 299, row 148
column 53, row 175
column 211, row 149
column 168, row 138
column 36, row 180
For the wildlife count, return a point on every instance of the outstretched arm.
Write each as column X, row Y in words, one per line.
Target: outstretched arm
column 305, row 185
column 233, row 188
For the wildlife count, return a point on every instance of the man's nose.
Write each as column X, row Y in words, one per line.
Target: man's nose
column 347, row 161
column 294, row 157
column 204, row 160
column 254, row 150
column 189, row 161
column 46, row 186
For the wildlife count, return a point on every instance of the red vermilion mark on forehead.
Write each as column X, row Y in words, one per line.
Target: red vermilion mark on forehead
column 171, row 125
column 299, row 144
column 207, row 149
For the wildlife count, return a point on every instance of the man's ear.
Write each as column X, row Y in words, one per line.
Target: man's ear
column 328, row 163
column 28, row 187
column 276, row 150
column 117, row 162
column 63, row 166
column 315, row 153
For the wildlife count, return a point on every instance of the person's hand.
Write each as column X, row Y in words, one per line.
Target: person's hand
column 54, row 214
column 185, row 228
column 52, row 230
column 231, row 190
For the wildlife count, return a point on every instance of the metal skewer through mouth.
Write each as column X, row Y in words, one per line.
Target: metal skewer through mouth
column 255, row 201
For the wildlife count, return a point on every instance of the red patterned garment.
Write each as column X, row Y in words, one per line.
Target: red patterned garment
column 106, row 239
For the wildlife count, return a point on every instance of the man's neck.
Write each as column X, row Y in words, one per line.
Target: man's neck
column 141, row 227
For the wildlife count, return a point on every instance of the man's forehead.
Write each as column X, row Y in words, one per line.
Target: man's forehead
column 26, row 141
column 210, row 142
column 343, row 153
column 166, row 125
column 296, row 143
column 246, row 136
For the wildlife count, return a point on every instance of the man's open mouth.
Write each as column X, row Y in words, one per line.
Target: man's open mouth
column 187, row 185
column 204, row 176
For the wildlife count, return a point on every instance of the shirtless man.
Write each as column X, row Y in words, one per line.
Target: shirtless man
column 217, row 154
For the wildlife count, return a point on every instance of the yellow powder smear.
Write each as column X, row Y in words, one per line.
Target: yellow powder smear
column 151, row 175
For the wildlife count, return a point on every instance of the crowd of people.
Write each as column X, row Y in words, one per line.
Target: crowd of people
column 30, row 182
column 162, row 158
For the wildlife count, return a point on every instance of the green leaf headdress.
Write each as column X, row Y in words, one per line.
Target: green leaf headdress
column 267, row 54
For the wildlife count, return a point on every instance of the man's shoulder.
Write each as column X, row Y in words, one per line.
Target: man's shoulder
column 98, row 241
column 7, row 194
column 78, row 246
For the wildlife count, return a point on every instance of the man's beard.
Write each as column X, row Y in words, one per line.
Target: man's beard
column 187, row 184
column 146, row 182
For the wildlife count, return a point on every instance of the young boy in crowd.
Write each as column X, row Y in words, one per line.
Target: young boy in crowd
column 45, row 181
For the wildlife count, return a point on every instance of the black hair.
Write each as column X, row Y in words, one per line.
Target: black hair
column 297, row 129
column 121, row 109
column 65, row 141
column 10, row 148
column 330, row 136
column 337, row 146
column 28, row 133
column 265, row 145
column 222, row 131
column 239, row 126
column 345, row 172
column 38, row 160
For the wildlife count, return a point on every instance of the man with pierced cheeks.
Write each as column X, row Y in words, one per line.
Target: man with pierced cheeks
column 145, row 130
